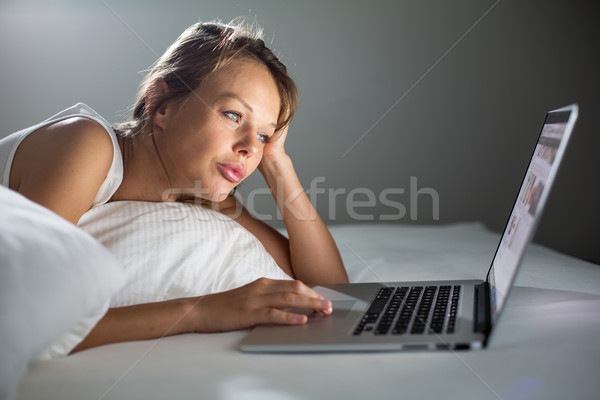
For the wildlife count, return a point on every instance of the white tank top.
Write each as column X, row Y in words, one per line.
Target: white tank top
column 9, row 145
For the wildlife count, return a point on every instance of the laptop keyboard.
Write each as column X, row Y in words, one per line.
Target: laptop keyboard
column 412, row 310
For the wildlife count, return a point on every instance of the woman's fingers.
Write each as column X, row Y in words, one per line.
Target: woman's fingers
column 264, row 301
column 284, row 300
column 292, row 294
column 280, row 317
column 292, row 286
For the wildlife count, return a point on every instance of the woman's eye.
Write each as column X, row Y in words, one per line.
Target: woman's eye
column 263, row 138
column 234, row 116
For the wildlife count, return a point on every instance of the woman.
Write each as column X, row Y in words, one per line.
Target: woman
column 215, row 107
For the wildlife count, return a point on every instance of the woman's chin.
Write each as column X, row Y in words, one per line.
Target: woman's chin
column 219, row 197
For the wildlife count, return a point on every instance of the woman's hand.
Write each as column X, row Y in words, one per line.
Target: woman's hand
column 260, row 302
column 274, row 150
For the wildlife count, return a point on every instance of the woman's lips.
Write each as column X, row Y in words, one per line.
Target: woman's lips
column 232, row 171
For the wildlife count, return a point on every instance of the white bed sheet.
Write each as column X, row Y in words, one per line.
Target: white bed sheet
column 545, row 346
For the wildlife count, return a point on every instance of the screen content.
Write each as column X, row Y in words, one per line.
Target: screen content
column 528, row 204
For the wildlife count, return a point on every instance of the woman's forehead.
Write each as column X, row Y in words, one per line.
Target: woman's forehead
column 242, row 74
column 245, row 80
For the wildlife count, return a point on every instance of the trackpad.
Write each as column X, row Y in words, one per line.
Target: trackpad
column 341, row 309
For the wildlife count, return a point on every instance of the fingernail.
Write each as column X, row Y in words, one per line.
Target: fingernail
column 326, row 304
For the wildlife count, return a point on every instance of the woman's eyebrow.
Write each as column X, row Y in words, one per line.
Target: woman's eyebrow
column 244, row 103
column 238, row 98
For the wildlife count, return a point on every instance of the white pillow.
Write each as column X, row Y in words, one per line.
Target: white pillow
column 171, row 250
column 53, row 277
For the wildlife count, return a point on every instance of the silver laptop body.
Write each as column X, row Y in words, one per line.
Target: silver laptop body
column 393, row 316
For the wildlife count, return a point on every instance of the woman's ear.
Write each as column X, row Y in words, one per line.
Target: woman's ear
column 155, row 105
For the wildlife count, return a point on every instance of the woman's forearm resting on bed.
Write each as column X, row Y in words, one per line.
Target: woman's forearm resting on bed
column 260, row 302
column 139, row 322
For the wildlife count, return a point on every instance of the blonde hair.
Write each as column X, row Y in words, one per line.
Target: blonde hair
column 201, row 50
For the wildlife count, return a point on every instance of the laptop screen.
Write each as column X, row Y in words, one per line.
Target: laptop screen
column 529, row 203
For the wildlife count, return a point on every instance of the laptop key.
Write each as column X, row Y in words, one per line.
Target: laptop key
column 439, row 312
column 453, row 310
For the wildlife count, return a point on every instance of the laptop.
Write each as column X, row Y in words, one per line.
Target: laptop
column 430, row 315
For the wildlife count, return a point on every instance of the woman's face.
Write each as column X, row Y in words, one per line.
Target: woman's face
column 215, row 139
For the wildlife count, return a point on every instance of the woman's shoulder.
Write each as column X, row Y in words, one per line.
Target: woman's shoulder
column 78, row 125
column 63, row 164
column 75, row 136
column 78, row 129
column 80, row 109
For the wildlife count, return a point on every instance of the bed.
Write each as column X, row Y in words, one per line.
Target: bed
column 545, row 346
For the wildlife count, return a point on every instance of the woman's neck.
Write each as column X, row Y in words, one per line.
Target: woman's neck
column 144, row 176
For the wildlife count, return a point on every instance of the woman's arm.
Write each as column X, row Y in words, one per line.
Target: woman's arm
column 62, row 166
column 313, row 254
column 260, row 302
column 274, row 242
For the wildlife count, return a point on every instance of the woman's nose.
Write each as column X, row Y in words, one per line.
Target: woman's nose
column 247, row 142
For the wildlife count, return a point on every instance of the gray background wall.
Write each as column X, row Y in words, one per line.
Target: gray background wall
column 451, row 93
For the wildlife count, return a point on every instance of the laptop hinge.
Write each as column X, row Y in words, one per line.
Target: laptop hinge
column 482, row 308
